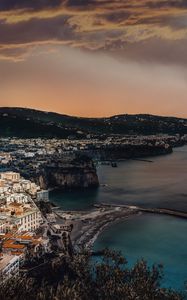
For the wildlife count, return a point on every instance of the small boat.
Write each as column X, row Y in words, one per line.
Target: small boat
column 105, row 163
column 114, row 165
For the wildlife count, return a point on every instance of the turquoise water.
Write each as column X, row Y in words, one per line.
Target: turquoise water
column 157, row 239
column 75, row 200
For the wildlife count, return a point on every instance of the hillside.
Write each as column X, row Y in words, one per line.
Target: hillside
column 23, row 122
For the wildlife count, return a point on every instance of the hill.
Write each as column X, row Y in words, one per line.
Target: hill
column 23, row 122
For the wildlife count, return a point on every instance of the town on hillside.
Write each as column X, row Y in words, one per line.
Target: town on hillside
column 33, row 231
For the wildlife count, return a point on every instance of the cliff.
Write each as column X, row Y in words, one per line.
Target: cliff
column 117, row 152
column 67, row 179
column 80, row 173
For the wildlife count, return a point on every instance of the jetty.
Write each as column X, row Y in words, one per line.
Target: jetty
column 164, row 211
column 141, row 159
column 87, row 225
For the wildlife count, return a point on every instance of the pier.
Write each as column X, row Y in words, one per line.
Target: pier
column 87, row 225
column 141, row 159
column 164, row 211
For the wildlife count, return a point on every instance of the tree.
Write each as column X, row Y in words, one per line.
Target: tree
column 79, row 278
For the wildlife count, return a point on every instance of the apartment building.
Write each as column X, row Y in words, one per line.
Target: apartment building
column 26, row 217
column 9, row 266
column 10, row 176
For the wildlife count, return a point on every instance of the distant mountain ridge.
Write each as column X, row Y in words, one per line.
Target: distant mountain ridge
column 24, row 122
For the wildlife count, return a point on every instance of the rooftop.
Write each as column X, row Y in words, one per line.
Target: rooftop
column 5, row 259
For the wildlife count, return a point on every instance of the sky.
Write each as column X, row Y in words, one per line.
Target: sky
column 94, row 57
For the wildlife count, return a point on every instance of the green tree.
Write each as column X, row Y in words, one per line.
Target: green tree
column 79, row 278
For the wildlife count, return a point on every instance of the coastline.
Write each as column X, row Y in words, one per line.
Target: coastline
column 87, row 227
column 90, row 225
column 93, row 238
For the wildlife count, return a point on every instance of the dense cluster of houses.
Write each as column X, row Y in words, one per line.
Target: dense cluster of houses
column 20, row 218
column 13, row 148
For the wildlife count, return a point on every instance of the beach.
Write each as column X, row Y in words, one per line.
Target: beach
column 88, row 225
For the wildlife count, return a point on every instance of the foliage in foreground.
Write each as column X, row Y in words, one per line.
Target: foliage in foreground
column 80, row 279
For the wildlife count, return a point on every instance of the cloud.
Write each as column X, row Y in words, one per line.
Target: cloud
column 153, row 50
column 88, row 24
column 28, row 5
column 167, row 4
column 94, row 57
column 75, row 82
column 36, row 30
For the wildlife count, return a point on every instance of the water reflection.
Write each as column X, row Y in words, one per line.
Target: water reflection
column 158, row 184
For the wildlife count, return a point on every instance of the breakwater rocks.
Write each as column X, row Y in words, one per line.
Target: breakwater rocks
column 76, row 173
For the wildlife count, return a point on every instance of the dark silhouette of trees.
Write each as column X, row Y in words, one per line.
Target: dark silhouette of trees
column 81, row 278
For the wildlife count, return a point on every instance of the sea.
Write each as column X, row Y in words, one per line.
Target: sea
column 161, row 183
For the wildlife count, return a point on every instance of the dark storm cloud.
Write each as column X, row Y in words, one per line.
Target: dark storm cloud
column 36, row 30
column 6, row 5
column 85, row 3
column 80, row 2
column 116, row 17
column 89, row 24
column 128, row 3
column 167, row 3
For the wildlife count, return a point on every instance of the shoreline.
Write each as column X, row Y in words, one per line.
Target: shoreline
column 93, row 239
column 88, row 225
column 85, row 232
column 87, row 228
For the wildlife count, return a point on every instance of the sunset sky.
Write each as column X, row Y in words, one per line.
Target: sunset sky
column 94, row 57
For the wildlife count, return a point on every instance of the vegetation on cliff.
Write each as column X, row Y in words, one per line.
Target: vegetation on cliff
column 80, row 172
column 117, row 152
column 78, row 278
column 73, row 171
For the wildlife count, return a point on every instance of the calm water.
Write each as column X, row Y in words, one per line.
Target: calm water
column 159, row 239
column 162, row 183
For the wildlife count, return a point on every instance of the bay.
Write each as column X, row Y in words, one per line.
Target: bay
column 156, row 238
column 162, row 183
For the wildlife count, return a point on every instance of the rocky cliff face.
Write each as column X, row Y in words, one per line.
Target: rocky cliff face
column 116, row 152
column 79, row 174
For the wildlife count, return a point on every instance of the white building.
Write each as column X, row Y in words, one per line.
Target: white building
column 10, row 176
column 29, row 221
column 3, row 190
column 19, row 198
column 24, row 217
column 9, row 266
column 3, row 224
column 43, row 195
column 26, row 184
